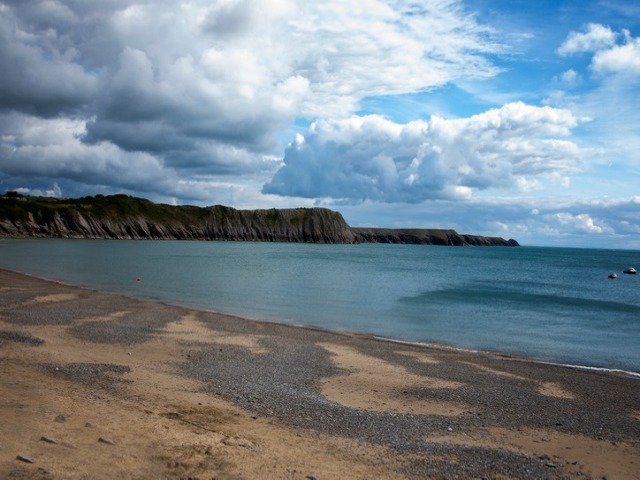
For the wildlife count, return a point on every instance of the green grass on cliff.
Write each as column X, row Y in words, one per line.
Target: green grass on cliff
column 15, row 207
column 115, row 207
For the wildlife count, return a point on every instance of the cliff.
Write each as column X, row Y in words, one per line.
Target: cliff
column 427, row 237
column 124, row 217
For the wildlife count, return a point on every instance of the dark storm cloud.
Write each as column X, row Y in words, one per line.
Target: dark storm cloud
column 37, row 79
column 207, row 86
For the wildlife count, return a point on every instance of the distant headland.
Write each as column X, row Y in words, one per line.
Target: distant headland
column 126, row 217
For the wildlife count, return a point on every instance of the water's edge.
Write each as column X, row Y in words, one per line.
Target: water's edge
column 550, row 305
column 505, row 356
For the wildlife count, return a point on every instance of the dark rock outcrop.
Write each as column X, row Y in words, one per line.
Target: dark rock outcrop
column 123, row 217
column 308, row 225
column 424, row 236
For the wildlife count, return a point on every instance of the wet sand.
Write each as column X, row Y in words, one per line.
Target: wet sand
column 96, row 385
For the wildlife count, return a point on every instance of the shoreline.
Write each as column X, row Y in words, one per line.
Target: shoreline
column 180, row 392
column 508, row 356
column 435, row 345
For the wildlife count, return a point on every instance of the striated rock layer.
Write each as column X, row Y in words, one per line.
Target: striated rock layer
column 427, row 236
column 124, row 217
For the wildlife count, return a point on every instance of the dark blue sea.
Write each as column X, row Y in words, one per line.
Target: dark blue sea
column 550, row 304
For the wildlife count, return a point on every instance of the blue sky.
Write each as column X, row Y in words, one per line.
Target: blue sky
column 512, row 118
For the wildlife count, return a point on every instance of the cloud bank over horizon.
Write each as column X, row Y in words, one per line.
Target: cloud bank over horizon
column 516, row 147
column 260, row 104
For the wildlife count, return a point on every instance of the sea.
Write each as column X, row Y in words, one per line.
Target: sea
column 553, row 305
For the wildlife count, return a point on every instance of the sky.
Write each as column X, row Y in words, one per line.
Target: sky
column 508, row 118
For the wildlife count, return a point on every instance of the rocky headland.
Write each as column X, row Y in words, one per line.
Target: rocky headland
column 125, row 217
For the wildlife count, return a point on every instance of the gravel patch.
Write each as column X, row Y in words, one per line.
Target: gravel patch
column 285, row 383
column 145, row 320
column 515, row 402
column 106, row 376
column 460, row 462
column 19, row 337
column 58, row 313
column 12, row 297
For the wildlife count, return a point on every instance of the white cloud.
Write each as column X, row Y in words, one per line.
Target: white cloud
column 514, row 147
column 55, row 191
column 608, row 55
column 570, row 77
column 622, row 59
column 203, row 88
column 581, row 222
column 52, row 148
column 612, row 100
column 596, row 37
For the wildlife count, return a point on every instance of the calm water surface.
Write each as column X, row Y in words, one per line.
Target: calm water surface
column 551, row 304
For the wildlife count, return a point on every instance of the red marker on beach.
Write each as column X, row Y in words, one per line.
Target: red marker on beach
column 138, row 279
column 57, row 282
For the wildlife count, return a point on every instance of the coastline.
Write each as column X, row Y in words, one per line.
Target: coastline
column 181, row 392
column 125, row 217
column 507, row 356
column 428, row 344
column 434, row 303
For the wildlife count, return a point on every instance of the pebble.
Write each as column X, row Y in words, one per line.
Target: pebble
column 105, row 440
column 44, row 438
column 238, row 442
column 60, row 419
column 24, row 458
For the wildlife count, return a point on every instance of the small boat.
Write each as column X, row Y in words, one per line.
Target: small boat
column 630, row 270
column 613, row 275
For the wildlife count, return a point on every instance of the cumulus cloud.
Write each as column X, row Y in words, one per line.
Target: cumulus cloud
column 34, row 150
column 195, row 89
column 570, row 77
column 614, row 71
column 54, row 192
column 596, row 37
column 581, row 222
column 52, row 148
column 613, row 52
column 518, row 146
column 624, row 59
column 36, row 78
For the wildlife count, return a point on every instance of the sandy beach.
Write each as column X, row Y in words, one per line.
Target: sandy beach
column 98, row 385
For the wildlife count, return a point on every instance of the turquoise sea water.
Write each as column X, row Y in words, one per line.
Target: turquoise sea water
column 551, row 304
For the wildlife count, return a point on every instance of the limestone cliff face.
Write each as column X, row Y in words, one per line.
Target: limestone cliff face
column 123, row 217
column 310, row 225
column 72, row 224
